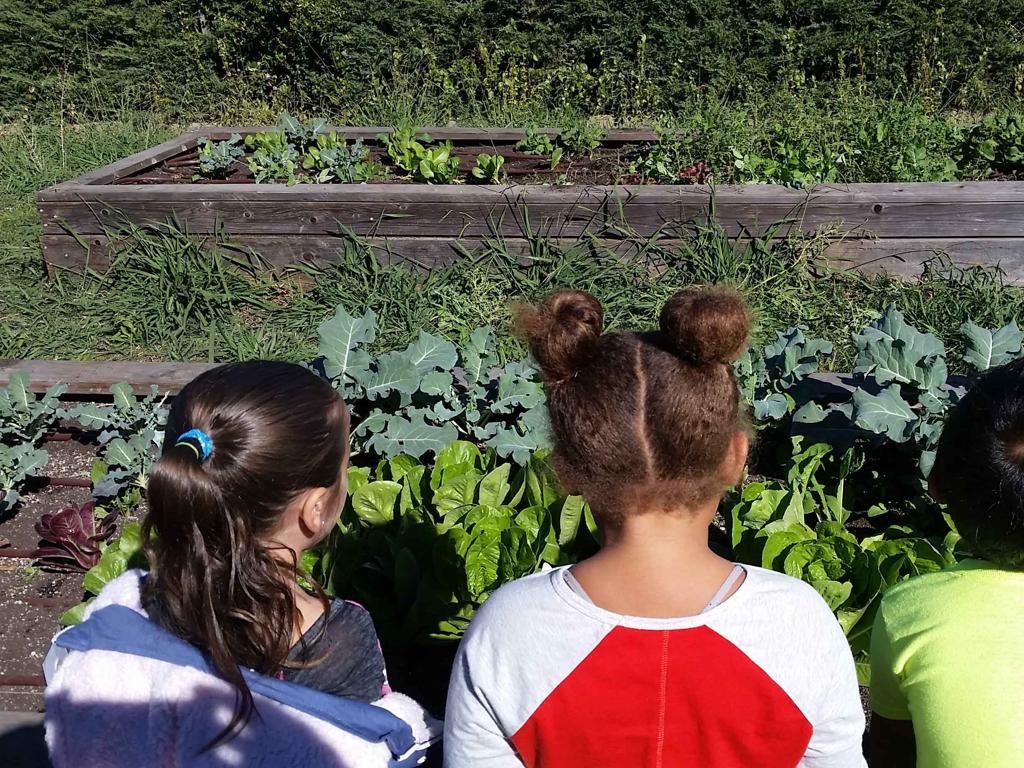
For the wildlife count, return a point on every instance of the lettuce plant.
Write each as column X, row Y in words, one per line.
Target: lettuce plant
column 488, row 169
column 71, row 539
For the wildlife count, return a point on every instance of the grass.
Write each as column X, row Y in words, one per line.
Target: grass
column 166, row 298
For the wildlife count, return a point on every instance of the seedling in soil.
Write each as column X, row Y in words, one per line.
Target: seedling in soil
column 488, row 169
column 582, row 138
column 217, row 158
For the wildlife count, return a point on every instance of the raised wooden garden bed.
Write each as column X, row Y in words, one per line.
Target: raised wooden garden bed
column 892, row 227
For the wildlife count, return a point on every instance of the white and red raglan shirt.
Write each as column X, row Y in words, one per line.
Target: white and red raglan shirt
column 546, row 678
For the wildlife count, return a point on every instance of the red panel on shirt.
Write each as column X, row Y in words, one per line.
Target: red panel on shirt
column 665, row 699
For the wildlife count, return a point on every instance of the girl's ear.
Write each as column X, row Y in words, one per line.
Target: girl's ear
column 314, row 512
column 736, row 457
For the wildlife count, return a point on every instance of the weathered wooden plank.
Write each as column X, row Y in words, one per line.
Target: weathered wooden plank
column 365, row 219
column 442, row 133
column 97, row 377
column 135, row 163
column 900, row 257
column 944, row 193
column 512, row 215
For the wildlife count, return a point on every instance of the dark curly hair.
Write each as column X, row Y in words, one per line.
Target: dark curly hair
column 979, row 466
column 640, row 421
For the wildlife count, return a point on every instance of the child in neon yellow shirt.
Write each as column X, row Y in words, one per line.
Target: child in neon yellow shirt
column 947, row 652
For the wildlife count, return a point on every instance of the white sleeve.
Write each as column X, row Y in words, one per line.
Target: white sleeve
column 838, row 721
column 472, row 735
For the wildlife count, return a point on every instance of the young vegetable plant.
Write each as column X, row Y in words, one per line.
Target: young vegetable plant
column 131, row 428
column 217, row 158
column 300, row 135
column 332, row 160
column 437, row 165
column 273, row 158
column 537, row 143
column 583, row 137
column 488, row 169
column 413, row 154
column 71, row 539
column 405, row 147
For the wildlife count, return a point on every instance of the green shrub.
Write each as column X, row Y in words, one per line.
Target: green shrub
column 631, row 58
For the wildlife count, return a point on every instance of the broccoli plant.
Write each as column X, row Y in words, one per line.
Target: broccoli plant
column 131, row 428
column 331, row 159
column 217, row 158
column 273, row 158
column 766, row 376
column 298, row 134
column 419, row 399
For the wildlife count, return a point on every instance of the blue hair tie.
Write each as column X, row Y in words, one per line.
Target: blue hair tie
column 205, row 449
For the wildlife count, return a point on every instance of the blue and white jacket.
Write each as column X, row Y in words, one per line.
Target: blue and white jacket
column 123, row 692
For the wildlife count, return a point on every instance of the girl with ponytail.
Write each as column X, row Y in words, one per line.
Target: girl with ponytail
column 253, row 473
column 655, row 651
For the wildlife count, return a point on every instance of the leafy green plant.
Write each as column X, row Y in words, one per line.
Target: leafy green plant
column 420, row 399
column 331, row 159
column 793, row 163
column 797, row 526
column 537, row 142
column 405, row 147
column 116, row 557
column 437, row 165
column 131, row 428
column 990, row 348
column 766, row 376
column 415, row 155
column 423, row 546
column 273, row 158
column 218, row 158
column 997, row 143
column 582, row 137
column 488, row 169
column 17, row 463
column 24, row 417
column 298, row 134
column 71, row 539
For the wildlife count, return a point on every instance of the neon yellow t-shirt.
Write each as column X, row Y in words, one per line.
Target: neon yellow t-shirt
column 947, row 652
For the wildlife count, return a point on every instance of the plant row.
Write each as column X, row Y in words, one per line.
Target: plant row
column 306, row 152
column 452, row 495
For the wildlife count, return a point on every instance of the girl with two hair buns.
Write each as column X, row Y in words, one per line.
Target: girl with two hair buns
column 655, row 651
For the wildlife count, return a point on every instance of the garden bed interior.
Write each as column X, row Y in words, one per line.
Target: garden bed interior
column 33, row 599
column 874, row 227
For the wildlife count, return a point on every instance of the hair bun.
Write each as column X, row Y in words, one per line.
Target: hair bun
column 708, row 326
column 562, row 331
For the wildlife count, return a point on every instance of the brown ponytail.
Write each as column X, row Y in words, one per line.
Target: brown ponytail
column 216, row 579
column 641, row 421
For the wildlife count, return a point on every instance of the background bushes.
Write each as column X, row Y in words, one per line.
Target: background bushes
column 620, row 57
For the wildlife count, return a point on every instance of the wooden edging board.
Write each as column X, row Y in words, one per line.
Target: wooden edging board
column 871, row 226
column 85, row 378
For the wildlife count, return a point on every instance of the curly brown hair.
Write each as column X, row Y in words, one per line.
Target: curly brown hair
column 641, row 421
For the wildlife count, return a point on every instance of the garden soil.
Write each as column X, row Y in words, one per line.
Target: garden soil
column 32, row 600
